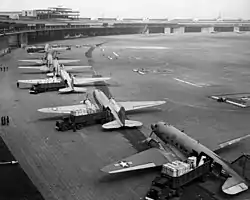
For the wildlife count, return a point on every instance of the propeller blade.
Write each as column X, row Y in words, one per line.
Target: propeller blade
column 151, row 133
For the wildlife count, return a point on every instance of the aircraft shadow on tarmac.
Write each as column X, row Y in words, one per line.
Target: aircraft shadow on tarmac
column 58, row 117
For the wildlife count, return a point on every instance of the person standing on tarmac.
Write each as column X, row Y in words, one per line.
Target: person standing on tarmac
column 3, row 120
column 7, row 120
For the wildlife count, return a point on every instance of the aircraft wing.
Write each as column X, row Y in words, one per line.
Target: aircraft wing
column 67, row 68
column 42, row 68
column 152, row 157
column 63, row 109
column 218, row 147
column 130, row 105
column 35, row 61
column 82, row 81
column 37, row 81
column 67, row 61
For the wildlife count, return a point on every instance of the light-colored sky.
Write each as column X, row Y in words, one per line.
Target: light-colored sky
column 141, row 8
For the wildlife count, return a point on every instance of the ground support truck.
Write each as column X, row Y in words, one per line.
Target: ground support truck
column 76, row 121
column 44, row 87
column 166, row 186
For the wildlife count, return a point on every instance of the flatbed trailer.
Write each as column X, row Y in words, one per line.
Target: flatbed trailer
column 74, row 123
column 44, row 87
column 165, row 187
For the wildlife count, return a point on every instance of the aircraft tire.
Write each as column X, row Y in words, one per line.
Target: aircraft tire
column 79, row 126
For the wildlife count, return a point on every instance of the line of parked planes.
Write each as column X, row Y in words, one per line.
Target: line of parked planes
column 181, row 143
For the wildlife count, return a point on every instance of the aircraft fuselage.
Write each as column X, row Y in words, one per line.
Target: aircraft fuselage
column 103, row 101
column 188, row 145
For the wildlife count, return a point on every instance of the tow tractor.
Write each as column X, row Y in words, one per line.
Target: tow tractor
column 83, row 117
column 172, row 178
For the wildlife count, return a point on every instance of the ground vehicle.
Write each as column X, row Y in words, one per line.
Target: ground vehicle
column 43, row 87
column 77, row 122
column 165, row 187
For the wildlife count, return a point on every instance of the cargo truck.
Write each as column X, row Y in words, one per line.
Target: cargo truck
column 44, row 87
column 76, row 121
column 167, row 186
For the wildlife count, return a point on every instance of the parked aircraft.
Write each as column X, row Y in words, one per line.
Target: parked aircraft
column 70, row 81
column 52, row 67
column 182, row 143
column 48, row 58
column 117, row 109
column 47, row 47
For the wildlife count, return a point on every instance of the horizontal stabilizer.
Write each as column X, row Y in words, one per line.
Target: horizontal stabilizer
column 82, row 81
column 65, row 90
column 232, row 186
column 115, row 124
column 67, row 61
column 67, row 68
column 80, row 89
column 69, row 90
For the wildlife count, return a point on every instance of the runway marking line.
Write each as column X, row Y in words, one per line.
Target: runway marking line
column 189, row 83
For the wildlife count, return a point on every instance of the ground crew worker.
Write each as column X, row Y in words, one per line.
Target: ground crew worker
column 7, row 120
column 3, row 120
column 4, row 69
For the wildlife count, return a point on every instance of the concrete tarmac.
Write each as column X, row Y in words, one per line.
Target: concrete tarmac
column 65, row 165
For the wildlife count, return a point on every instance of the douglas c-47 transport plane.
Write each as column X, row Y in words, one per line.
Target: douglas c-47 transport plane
column 53, row 67
column 48, row 58
column 68, row 79
column 117, row 109
column 46, row 48
column 184, row 144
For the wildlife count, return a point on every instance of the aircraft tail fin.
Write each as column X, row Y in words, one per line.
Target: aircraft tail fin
column 122, row 115
column 115, row 124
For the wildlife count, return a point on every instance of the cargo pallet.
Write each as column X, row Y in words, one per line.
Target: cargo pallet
column 165, row 187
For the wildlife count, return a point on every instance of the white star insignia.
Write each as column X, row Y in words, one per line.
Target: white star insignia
column 123, row 164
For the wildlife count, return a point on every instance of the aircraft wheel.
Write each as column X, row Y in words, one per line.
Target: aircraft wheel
column 179, row 192
column 79, row 126
column 64, row 127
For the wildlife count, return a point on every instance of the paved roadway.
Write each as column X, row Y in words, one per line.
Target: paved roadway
column 66, row 165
